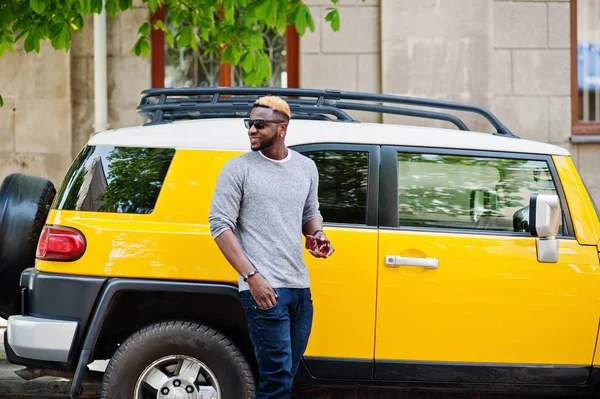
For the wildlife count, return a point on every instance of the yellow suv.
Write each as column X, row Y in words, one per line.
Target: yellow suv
column 462, row 259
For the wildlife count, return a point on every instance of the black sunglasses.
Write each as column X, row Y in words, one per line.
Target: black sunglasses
column 259, row 123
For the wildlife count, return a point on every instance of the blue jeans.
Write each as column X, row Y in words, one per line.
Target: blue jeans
column 279, row 336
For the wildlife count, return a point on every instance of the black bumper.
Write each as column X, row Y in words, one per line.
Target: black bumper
column 61, row 297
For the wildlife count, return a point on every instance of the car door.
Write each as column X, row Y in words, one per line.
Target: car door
column 344, row 285
column 462, row 297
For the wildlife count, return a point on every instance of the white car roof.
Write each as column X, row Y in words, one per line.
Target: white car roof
column 230, row 135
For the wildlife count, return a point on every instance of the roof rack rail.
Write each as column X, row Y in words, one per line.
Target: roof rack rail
column 169, row 104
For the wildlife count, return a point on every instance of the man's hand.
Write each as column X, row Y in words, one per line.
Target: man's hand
column 264, row 295
column 317, row 253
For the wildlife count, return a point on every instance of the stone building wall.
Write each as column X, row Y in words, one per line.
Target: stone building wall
column 48, row 108
column 35, row 122
column 127, row 74
column 437, row 49
column 349, row 59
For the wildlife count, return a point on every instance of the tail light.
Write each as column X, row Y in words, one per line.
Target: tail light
column 60, row 243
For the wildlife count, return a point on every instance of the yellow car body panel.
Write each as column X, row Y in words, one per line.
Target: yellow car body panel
column 490, row 301
column 585, row 220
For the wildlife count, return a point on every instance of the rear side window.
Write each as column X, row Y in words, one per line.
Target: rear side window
column 342, row 185
column 471, row 193
column 114, row 179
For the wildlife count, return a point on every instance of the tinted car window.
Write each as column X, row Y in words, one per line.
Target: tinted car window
column 114, row 179
column 459, row 192
column 342, row 185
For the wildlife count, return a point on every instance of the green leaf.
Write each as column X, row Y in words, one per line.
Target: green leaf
column 21, row 35
column 142, row 46
column 227, row 55
column 265, row 67
column 62, row 40
column 248, row 61
column 6, row 46
column 6, row 43
column 84, row 5
column 195, row 39
column 334, row 17
column 301, row 21
column 170, row 38
column 145, row 48
column 281, row 17
column 184, row 37
column 1, row 101
column 38, row 6
column 96, row 6
column 137, row 47
column 153, row 4
column 77, row 23
column 145, row 29
column 204, row 33
column 7, row 37
column 263, row 10
column 32, row 41
column 272, row 21
column 160, row 25
column 228, row 9
column 280, row 27
column 111, row 7
column 236, row 54
column 125, row 4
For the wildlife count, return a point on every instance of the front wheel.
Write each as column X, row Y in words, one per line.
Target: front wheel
column 178, row 360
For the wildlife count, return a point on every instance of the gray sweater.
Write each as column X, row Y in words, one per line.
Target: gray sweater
column 266, row 203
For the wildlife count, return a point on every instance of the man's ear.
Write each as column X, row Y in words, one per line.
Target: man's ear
column 282, row 128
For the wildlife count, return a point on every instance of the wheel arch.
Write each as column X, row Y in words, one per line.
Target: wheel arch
column 113, row 320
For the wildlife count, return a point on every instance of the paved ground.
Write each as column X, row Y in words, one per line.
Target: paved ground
column 13, row 386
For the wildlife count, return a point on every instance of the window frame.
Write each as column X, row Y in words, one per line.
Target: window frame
column 578, row 128
column 389, row 188
column 157, row 56
column 373, row 177
column 76, row 167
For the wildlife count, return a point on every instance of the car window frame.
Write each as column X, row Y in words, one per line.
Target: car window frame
column 373, row 177
column 389, row 188
column 58, row 201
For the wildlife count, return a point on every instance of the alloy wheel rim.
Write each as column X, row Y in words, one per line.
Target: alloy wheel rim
column 177, row 377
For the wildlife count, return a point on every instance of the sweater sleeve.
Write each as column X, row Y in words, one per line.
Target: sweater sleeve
column 311, row 206
column 227, row 198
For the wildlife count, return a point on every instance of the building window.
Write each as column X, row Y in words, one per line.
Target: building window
column 585, row 66
column 173, row 67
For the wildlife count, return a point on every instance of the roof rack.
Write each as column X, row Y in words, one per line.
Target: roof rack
column 169, row 104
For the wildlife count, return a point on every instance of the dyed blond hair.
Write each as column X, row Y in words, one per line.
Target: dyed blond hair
column 275, row 103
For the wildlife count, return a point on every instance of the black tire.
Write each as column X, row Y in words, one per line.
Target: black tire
column 154, row 342
column 24, row 204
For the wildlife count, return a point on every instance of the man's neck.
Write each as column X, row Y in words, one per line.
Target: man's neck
column 275, row 153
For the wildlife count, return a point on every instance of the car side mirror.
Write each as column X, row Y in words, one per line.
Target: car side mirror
column 544, row 219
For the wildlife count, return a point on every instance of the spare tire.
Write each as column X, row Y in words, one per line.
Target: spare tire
column 24, row 205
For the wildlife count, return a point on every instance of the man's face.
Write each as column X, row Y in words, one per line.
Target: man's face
column 267, row 136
